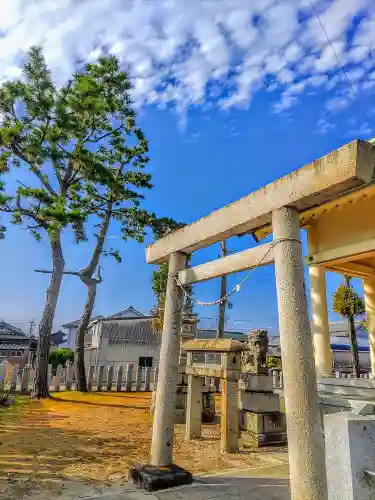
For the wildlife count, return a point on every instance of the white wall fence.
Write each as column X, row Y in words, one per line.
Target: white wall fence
column 103, row 378
column 126, row 378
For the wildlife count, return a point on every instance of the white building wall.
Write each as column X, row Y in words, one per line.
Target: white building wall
column 121, row 354
column 71, row 338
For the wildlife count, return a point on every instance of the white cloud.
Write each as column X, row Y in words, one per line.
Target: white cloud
column 324, row 125
column 337, row 104
column 178, row 50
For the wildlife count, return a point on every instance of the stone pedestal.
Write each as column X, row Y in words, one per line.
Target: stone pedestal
column 261, row 421
column 229, row 416
column 194, row 408
column 350, row 453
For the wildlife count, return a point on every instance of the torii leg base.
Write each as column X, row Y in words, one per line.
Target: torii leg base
column 152, row 478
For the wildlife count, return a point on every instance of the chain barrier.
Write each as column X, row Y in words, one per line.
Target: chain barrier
column 238, row 286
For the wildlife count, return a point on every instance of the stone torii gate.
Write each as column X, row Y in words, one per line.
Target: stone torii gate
column 279, row 208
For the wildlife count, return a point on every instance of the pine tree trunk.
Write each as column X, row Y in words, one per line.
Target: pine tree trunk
column 46, row 323
column 353, row 346
column 81, row 332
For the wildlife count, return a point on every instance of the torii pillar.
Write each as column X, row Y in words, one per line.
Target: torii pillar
column 305, row 436
column 161, row 472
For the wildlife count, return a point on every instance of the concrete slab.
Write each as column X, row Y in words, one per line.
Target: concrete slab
column 207, row 488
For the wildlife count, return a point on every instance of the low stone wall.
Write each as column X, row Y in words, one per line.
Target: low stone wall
column 348, row 387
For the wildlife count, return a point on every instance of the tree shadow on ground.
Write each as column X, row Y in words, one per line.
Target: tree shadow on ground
column 41, row 447
column 93, row 403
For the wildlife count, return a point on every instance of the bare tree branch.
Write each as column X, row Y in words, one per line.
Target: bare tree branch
column 45, row 271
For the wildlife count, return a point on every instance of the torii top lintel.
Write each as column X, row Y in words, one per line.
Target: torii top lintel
column 338, row 172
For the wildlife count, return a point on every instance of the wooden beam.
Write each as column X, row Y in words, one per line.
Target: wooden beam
column 352, row 269
column 356, row 251
column 234, row 263
column 336, row 173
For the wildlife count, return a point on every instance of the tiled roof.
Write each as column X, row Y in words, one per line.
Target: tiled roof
column 130, row 312
column 75, row 323
column 207, row 333
column 14, row 347
column 9, row 330
column 131, row 331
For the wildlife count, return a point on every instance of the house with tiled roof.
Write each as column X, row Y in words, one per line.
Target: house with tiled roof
column 126, row 336
column 15, row 346
column 72, row 326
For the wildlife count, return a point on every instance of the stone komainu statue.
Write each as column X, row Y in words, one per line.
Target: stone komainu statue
column 254, row 358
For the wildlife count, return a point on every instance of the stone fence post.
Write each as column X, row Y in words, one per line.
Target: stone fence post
column 100, row 379
column 13, row 382
column 119, row 378
column 25, row 379
column 58, row 378
column 109, row 377
column 138, row 378
column 147, row 378
column 2, row 375
column 90, row 377
column 129, row 378
column 155, row 378
column 69, row 375
column 49, row 376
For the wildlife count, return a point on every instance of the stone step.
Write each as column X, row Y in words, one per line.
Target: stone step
column 259, row 402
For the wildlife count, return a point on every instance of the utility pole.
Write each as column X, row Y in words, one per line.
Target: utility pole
column 31, row 327
column 223, row 292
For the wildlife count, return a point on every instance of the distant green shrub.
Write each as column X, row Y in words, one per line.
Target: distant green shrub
column 60, row 356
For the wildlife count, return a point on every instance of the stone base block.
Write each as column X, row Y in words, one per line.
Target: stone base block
column 350, row 456
column 260, row 423
column 254, row 382
column 180, row 416
column 264, row 439
column 259, row 402
column 153, row 478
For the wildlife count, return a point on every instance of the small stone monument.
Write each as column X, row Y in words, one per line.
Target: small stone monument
column 188, row 331
column 260, row 419
column 228, row 369
column 254, row 358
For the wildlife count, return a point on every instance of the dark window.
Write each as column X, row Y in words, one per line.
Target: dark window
column 145, row 361
column 3, row 354
column 14, row 354
column 19, row 354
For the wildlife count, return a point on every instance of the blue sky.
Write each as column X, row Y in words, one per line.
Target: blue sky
column 251, row 93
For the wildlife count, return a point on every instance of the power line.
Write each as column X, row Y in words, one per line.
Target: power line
column 342, row 69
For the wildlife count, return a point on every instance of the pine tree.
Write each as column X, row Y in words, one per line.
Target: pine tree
column 348, row 304
column 161, row 228
column 82, row 150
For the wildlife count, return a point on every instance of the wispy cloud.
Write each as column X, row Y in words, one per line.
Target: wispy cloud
column 177, row 50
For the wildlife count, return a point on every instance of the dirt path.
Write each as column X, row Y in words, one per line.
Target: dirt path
column 94, row 438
